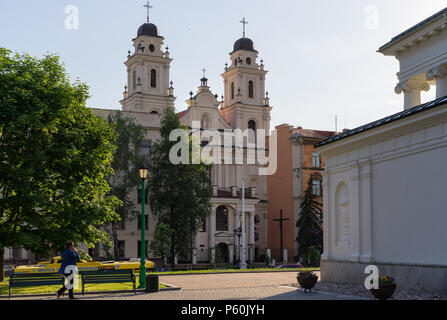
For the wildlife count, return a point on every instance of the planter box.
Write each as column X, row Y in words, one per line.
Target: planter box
column 384, row 292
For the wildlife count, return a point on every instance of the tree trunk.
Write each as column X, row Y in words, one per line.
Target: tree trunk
column 172, row 252
column 115, row 242
column 2, row 256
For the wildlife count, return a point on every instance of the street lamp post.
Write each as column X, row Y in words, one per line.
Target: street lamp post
column 143, row 175
column 243, row 263
column 238, row 233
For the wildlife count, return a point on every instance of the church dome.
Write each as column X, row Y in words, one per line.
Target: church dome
column 148, row 29
column 243, row 44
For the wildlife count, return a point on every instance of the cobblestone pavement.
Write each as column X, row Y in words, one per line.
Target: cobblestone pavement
column 229, row 286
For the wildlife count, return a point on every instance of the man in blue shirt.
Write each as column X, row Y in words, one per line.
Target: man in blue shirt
column 69, row 258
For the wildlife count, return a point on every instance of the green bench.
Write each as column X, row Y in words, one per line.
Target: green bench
column 35, row 279
column 108, row 276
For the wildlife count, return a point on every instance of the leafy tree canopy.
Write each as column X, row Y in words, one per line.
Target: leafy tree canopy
column 55, row 156
column 161, row 244
column 179, row 194
column 129, row 157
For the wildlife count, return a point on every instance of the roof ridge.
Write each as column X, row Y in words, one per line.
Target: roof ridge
column 394, row 117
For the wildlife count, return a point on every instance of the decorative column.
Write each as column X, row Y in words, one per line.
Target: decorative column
column 268, row 253
column 212, row 241
column 412, row 91
column 285, row 255
column 440, row 75
column 354, row 199
column 231, row 254
column 236, row 238
column 251, row 239
column 195, row 250
column 366, row 204
column 326, row 216
column 215, row 192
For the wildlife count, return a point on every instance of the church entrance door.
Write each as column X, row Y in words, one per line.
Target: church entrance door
column 222, row 253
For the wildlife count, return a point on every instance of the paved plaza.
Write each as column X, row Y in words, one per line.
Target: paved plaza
column 224, row 286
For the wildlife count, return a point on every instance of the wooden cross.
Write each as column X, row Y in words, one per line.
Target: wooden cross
column 148, row 6
column 244, row 22
column 280, row 220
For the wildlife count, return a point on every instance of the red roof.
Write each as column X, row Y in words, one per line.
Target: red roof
column 181, row 113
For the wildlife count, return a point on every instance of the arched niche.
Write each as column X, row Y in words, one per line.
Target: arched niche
column 342, row 214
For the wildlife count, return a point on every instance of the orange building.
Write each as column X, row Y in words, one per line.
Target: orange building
column 298, row 161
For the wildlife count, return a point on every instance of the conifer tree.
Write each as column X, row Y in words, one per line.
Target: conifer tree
column 310, row 222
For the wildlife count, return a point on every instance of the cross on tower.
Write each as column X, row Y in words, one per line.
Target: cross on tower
column 148, row 6
column 280, row 220
column 244, row 22
column 204, row 80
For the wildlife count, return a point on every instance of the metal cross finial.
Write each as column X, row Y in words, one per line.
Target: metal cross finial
column 148, row 6
column 204, row 70
column 244, row 22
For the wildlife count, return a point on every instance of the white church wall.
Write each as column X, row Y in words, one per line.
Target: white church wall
column 395, row 177
column 409, row 206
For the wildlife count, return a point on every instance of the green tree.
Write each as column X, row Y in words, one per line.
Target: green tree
column 310, row 221
column 179, row 193
column 161, row 244
column 55, row 156
column 129, row 157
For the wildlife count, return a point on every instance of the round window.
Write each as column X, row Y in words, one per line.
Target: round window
column 248, row 60
column 151, row 48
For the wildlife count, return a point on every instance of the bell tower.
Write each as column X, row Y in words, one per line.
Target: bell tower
column 245, row 99
column 148, row 86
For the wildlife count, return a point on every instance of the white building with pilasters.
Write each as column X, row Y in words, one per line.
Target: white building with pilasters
column 386, row 181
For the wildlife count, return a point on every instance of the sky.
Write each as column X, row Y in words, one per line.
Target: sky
column 321, row 55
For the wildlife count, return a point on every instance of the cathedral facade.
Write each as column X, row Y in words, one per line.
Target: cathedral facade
column 244, row 105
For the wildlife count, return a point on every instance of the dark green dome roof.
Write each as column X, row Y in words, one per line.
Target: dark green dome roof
column 244, row 44
column 148, row 29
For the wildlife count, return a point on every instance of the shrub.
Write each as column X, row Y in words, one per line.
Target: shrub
column 314, row 256
column 307, row 275
column 385, row 280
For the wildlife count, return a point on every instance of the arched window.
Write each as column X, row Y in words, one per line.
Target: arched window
column 252, row 131
column 232, row 90
column 252, row 125
column 134, row 79
column 222, row 218
column 250, row 89
column 153, row 78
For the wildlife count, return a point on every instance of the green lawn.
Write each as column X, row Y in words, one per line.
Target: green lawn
column 4, row 288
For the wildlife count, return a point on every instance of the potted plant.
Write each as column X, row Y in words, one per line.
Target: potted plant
column 387, row 286
column 307, row 280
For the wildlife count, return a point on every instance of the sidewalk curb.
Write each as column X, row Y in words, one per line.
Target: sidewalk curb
column 223, row 272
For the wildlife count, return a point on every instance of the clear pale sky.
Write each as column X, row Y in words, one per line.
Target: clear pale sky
column 321, row 55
